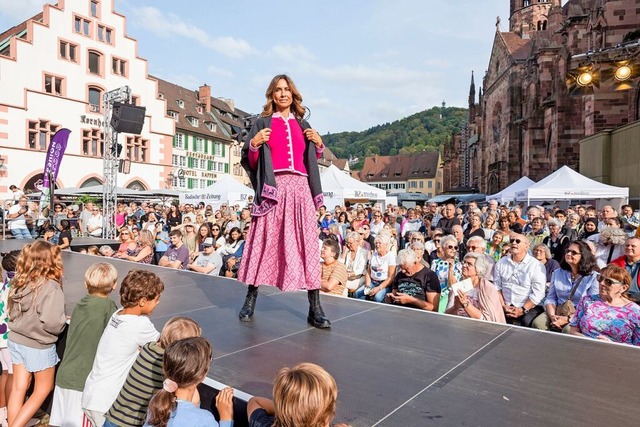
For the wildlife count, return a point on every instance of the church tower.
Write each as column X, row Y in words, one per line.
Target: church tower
column 472, row 100
column 529, row 16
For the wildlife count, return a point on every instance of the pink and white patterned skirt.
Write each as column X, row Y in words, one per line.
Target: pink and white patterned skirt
column 282, row 247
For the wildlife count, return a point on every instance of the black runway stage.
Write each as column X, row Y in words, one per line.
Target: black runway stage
column 396, row 366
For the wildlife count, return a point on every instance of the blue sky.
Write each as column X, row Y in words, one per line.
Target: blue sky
column 357, row 63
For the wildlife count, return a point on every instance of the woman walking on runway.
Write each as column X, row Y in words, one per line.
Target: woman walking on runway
column 280, row 155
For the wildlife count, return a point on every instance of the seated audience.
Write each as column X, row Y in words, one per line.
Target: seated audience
column 355, row 259
column 610, row 245
column 575, row 279
column 334, row 273
column 448, row 269
column 542, row 253
column 208, row 262
column 631, row 262
column 610, row 315
column 106, row 251
column 143, row 252
column 177, row 255
column 415, row 285
column 483, row 301
column 556, row 241
column 381, row 271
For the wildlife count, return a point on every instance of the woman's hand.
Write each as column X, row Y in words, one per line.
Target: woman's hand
column 224, row 403
column 463, row 298
column 313, row 136
column 260, row 138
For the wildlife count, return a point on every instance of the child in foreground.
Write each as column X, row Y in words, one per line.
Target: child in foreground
column 89, row 318
column 303, row 396
column 186, row 363
column 9, row 261
column 127, row 331
column 36, row 319
column 146, row 375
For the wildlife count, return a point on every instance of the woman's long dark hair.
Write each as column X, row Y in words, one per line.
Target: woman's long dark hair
column 199, row 238
column 587, row 263
column 296, row 105
column 186, row 362
column 230, row 239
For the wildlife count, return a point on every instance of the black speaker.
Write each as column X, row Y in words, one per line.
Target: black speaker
column 127, row 118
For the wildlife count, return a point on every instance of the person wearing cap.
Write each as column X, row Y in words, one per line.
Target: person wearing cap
column 209, row 261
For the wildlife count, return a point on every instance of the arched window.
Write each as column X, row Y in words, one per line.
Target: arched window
column 91, row 182
column 95, row 63
column 95, row 99
column 136, row 185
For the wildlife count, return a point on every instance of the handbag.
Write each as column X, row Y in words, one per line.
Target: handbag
column 567, row 308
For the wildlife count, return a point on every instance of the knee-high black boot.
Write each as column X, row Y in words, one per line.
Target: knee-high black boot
column 246, row 312
column 316, row 315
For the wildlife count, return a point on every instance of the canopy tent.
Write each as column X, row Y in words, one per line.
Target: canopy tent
column 339, row 187
column 567, row 184
column 509, row 193
column 97, row 190
column 226, row 190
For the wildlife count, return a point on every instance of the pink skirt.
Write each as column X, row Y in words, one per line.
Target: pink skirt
column 282, row 247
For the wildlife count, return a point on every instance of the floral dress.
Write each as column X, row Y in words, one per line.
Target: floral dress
column 4, row 313
column 594, row 317
column 441, row 268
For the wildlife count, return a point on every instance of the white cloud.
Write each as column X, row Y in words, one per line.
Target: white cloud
column 168, row 24
column 21, row 10
column 218, row 71
column 292, row 53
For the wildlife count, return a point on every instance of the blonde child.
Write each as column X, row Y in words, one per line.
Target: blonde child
column 305, row 395
column 146, row 375
column 9, row 261
column 128, row 330
column 186, row 363
column 90, row 317
column 36, row 319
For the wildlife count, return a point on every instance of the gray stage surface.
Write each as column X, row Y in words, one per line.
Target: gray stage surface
column 396, row 366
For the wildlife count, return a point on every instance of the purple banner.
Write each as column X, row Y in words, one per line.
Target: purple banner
column 54, row 155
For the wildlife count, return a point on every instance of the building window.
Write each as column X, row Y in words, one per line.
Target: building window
column 179, row 141
column 40, row 133
column 82, row 26
column 430, row 184
column 173, row 115
column 237, row 150
column 203, row 164
column 105, row 34
column 180, row 103
column 95, row 63
column 94, row 8
column 160, row 95
column 217, row 149
column 95, row 97
column 199, row 145
column 137, row 149
column 421, row 184
column 193, row 121
column 92, row 142
column 119, row 67
column 68, row 51
column 177, row 160
column 53, row 85
column 212, row 127
column 179, row 181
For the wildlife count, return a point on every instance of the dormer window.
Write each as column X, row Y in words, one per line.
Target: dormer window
column 199, row 109
column 211, row 126
column 369, row 175
column 173, row 115
column 384, row 175
column 160, row 95
column 397, row 174
column 193, row 121
column 180, row 103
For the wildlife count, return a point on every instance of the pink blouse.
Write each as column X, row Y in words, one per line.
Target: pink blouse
column 287, row 146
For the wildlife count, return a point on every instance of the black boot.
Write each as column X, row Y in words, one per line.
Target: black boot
column 246, row 312
column 316, row 315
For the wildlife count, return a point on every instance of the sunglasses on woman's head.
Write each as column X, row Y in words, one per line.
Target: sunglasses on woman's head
column 602, row 278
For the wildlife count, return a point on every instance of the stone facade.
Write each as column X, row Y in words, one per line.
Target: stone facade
column 528, row 119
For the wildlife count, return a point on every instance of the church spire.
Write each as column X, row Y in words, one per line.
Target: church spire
column 472, row 92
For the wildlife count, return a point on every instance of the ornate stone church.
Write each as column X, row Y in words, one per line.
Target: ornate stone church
column 552, row 80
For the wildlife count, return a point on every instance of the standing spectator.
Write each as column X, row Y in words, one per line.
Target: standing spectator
column 64, row 238
column 173, row 218
column 208, row 262
column 177, row 255
column 18, row 215
column 84, row 217
column 449, row 219
column 17, row 194
column 161, row 243
column 556, row 241
column 521, row 280
column 410, row 224
column 375, row 226
column 415, row 285
column 89, row 318
column 94, row 224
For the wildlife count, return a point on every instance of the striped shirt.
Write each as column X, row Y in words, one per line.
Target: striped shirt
column 144, row 379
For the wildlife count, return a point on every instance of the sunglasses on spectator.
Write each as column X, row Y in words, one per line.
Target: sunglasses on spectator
column 437, row 240
column 452, row 247
column 517, row 241
column 572, row 252
column 602, row 278
column 472, row 248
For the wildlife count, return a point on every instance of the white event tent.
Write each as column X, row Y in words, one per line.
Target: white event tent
column 226, row 190
column 339, row 187
column 509, row 193
column 566, row 184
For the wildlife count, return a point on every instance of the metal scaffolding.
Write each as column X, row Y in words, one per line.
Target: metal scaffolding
column 111, row 162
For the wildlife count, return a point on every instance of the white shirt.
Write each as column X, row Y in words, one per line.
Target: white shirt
column 520, row 281
column 19, row 221
column 95, row 221
column 379, row 266
column 117, row 350
column 376, row 228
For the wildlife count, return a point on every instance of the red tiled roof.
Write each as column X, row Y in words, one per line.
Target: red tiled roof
column 328, row 158
column 518, row 47
column 400, row 168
